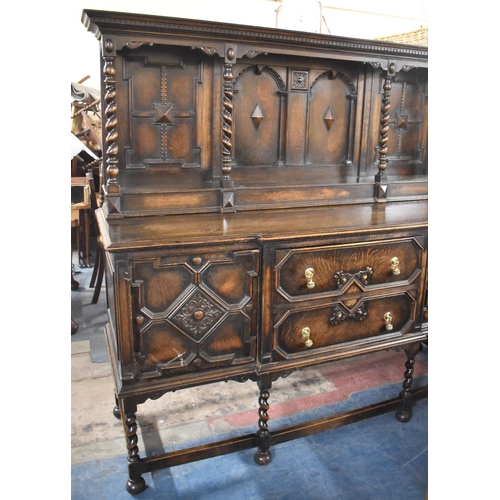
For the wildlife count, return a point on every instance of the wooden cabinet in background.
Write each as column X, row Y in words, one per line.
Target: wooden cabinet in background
column 265, row 210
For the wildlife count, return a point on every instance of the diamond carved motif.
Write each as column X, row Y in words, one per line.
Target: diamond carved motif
column 257, row 116
column 164, row 113
column 401, row 121
column 197, row 315
column 328, row 119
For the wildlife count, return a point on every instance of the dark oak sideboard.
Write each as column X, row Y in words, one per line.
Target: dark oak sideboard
column 264, row 210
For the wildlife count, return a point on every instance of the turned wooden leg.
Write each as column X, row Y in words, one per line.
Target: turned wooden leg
column 404, row 413
column 116, row 410
column 263, row 455
column 135, row 483
column 74, row 327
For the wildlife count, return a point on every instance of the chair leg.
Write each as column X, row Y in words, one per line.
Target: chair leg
column 74, row 327
column 74, row 284
column 97, row 265
column 100, row 275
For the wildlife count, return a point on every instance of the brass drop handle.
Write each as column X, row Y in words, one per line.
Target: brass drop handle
column 388, row 321
column 395, row 266
column 309, row 274
column 306, row 333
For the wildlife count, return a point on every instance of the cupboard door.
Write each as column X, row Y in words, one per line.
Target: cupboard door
column 194, row 312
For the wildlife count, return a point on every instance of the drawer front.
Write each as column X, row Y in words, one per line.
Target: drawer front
column 334, row 270
column 301, row 330
column 194, row 312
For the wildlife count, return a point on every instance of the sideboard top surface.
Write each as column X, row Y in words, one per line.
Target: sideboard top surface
column 267, row 225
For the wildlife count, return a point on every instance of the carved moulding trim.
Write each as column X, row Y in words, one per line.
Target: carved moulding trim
column 333, row 76
column 133, row 44
column 398, row 66
column 165, row 27
column 258, row 70
column 211, row 51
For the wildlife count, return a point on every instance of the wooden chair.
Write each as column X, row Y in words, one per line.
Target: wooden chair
column 98, row 272
column 80, row 218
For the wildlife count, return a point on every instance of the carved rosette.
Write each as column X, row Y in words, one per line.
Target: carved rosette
column 197, row 315
column 300, row 80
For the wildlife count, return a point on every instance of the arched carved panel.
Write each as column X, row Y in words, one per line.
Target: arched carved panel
column 257, row 116
column 331, row 120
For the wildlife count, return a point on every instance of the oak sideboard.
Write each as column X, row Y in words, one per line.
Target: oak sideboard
column 264, row 211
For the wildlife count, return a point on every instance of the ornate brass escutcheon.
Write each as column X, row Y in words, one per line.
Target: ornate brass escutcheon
column 343, row 313
column 306, row 333
column 363, row 276
column 309, row 274
column 395, row 266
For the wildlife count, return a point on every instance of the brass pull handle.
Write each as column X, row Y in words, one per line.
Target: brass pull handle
column 309, row 273
column 395, row 266
column 306, row 333
column 388, row 321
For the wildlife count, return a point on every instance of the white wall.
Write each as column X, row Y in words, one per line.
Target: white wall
column 355, row 18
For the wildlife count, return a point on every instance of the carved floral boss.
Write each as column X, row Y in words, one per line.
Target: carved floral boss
column 197, row 315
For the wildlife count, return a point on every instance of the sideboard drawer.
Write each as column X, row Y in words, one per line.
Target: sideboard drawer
column 194, row 312
column 332, row 270
column 304, row 329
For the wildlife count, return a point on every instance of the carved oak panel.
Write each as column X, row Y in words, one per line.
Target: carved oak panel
column 258, row 109
column 288, row 116
column 407, row 123
column 194, row 312
column 163, row 90
column 331, row 119
column 346, row 269
column 349, row 321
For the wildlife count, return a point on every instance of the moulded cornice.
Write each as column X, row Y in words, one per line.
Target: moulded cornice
column 189, row 31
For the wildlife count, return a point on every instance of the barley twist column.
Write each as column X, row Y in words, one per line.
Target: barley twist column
column 263, row 456
column 227, row 123
column 380, row 179
column 112, row 188
column 136, row 482
column 404, row 413
column 227, row 185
